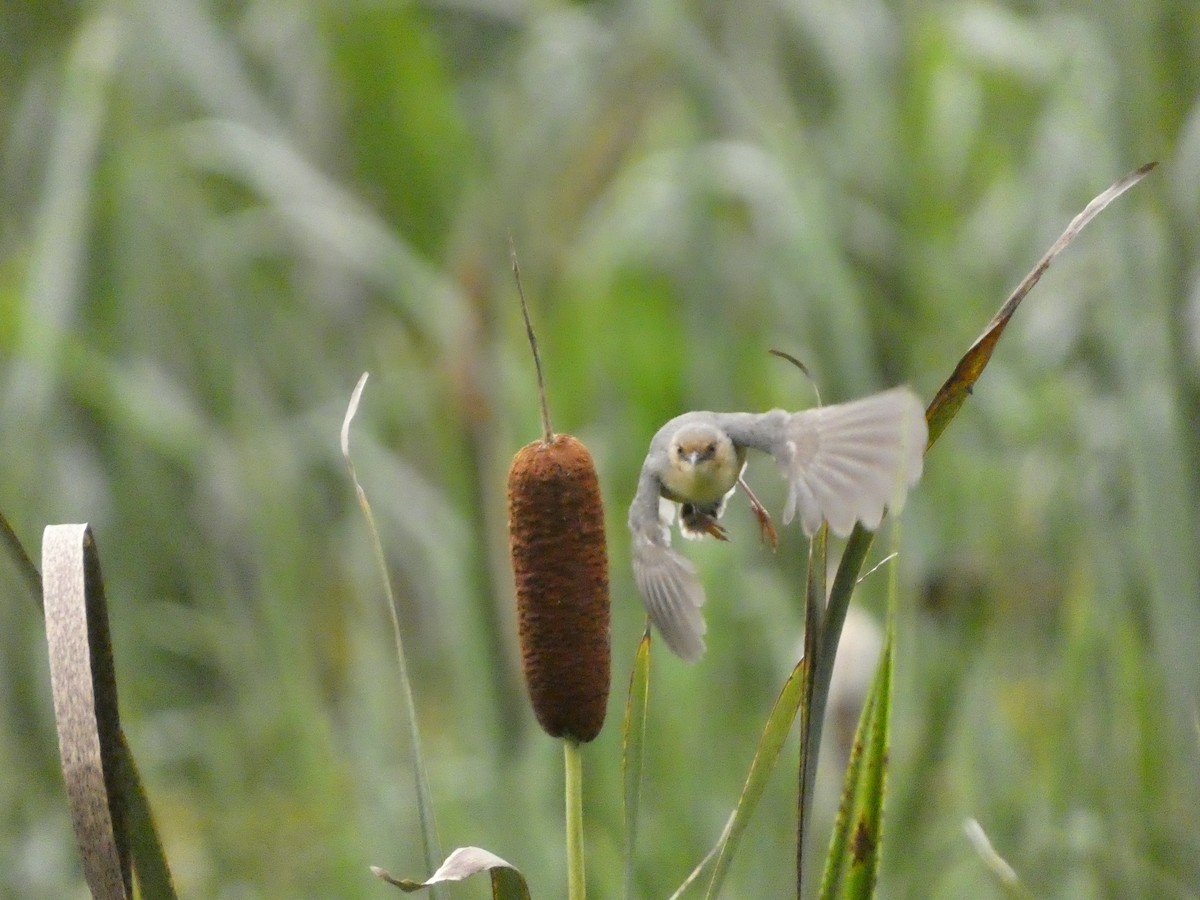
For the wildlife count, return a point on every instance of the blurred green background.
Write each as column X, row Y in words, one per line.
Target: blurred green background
column 216, row 215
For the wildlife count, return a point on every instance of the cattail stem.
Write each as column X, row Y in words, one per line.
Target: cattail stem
column 573, row 771
column 547, row 431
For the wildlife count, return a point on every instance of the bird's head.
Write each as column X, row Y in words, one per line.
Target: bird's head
column 703, row 463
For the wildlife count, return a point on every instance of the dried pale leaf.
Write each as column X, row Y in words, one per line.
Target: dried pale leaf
column 351, row 411
column 1005, row 875
column 507, row 882
column 958, row 386
column 84, row 686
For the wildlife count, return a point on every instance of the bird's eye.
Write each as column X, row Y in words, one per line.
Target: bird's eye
column 711, row 449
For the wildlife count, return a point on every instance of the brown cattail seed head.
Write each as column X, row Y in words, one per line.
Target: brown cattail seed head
column 560, row 565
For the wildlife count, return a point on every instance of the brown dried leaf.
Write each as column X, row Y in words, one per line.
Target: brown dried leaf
column 958, row 386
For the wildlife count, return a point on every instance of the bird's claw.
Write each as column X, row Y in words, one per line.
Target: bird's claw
column 697, row 522
column 712, row 527
column 766, row 527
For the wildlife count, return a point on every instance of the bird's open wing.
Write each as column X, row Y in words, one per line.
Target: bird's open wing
column 666, row 579
column 843, row 463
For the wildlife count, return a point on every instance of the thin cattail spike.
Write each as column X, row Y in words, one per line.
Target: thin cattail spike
column 547, row 431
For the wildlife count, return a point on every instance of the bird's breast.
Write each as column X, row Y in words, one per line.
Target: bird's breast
column 699, row 484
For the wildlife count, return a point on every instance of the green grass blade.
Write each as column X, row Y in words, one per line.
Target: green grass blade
column 633, row 753
column 774, row 733
column 852, row 866
column 29, row 572
column 58, row 265
column 145, row 846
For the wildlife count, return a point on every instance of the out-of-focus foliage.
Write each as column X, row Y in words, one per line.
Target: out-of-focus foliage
column 216, row 215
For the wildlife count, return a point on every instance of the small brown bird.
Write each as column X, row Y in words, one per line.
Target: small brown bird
column 843, row 464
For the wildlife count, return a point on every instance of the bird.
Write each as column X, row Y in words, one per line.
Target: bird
column 844, row 463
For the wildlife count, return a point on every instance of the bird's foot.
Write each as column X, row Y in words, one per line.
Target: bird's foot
column 696, row 523
column 766, row 527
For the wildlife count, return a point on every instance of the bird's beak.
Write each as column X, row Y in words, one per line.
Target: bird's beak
column 693, row 458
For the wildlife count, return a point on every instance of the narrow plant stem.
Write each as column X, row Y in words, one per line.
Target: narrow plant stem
column 573, row 770
column 149, row 857
column 810, row 728
column 16, row 549
column 433, row 852
column 432, row 846
column 820, row 674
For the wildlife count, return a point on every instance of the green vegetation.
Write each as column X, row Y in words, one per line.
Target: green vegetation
column 216, row 216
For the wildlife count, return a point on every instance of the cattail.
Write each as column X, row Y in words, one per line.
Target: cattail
column 560, row 564
column 560, row 567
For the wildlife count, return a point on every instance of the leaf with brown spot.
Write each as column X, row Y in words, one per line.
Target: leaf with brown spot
column 852, row 864
column 862, row 844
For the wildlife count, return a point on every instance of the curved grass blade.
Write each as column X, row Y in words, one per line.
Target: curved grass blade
column 770, row 743
column 84, row 684
column 852, row 866
column 59, row 256
column 429, row 834
column 507, row 882
column 954, row 392
column 633, row 752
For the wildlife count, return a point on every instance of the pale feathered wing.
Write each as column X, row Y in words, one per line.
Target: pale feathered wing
column 844, row 463
column 665, row 578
